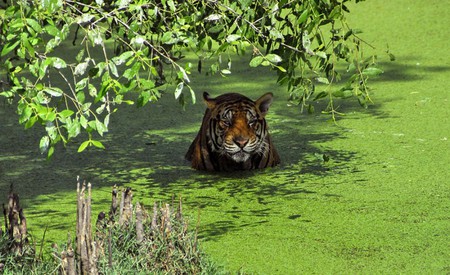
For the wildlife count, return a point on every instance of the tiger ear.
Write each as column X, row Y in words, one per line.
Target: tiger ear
column 210, row 102
column 263, row 103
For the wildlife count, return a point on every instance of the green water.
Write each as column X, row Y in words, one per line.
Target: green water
column 380, row 204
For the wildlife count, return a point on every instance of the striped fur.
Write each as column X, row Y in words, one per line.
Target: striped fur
column 233, row 135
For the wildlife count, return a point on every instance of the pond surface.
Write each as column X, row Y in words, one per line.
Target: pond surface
column 379, row 204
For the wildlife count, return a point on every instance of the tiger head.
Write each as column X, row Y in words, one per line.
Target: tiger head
column 234, row 134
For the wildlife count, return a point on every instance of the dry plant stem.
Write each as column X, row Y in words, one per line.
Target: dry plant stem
column 70, row 261
column 139, row 223
column 85, row 245
column 81, row 235
column 114, row 205
column 122, row 201
column 179, row 214
column 126, row 207
column 15, row 223
column 79, row 217
column 155, row 217
column 110, row 261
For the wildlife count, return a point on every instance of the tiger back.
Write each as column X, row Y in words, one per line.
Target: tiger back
column 233, row 135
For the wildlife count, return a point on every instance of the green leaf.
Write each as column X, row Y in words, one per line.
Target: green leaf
column 51, row 5
column 256, row 61
column 7, row 48
column 171, row 5
column 16, row 24
column 113, row 69
column 31, row 121
column 51, row 44
column 59, row 63
column 80, row 69
column 119, row 60
column 56, row 62
column 303, row 17
column 52, row 131
column 92, row 90
column 100, row 127
column 320, row 95
column 351, row 67
column 323, row 80
column 106, row 121
column 26, row 113
column 34, row 28
column 100, row 109
column 80, row 85
column 321, row 54
column 53, row 91
column 185, row 76
column 97, row 144
column 49, row 116
column 143, row 98
column 106, row 85
column 281, row 69
column 213, row 17
column 233, row 37
column 43, row 144
column 7, row 94
column 73, row 129
column 83, row 146
column 306, row 43
column 216, row 29
column 66, row 113
column 179, row 90
column 86, row 107
column 84, row 18
column 81, row 97
column 273, row 58
column 51, row 150
column 347, row 34
column 372, row 71
column 148, row 83
column 130, row 73
column 169, row 38
column 192, row 95
column 343, row 93
column 276, row 34
column 52, row 30
column 80, row 55
column 83, row 122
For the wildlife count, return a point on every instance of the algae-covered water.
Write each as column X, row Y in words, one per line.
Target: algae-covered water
column 380, row 204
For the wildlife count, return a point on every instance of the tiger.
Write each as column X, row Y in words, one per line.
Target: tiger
column 233, row 135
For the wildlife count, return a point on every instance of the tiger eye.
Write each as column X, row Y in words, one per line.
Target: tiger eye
column 224, row 124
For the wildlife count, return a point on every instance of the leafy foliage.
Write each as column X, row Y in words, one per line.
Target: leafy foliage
column 69, row 64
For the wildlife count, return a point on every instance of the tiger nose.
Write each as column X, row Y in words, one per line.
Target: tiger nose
column 240, row 141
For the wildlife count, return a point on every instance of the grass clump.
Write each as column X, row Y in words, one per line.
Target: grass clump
column 165, row 245
column 130, row 240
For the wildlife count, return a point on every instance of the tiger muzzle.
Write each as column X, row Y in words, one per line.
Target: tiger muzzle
column 241, row 141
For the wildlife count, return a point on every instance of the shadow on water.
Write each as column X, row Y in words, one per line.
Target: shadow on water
column 143, row 152
column 145, row 149
column 407, row 69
